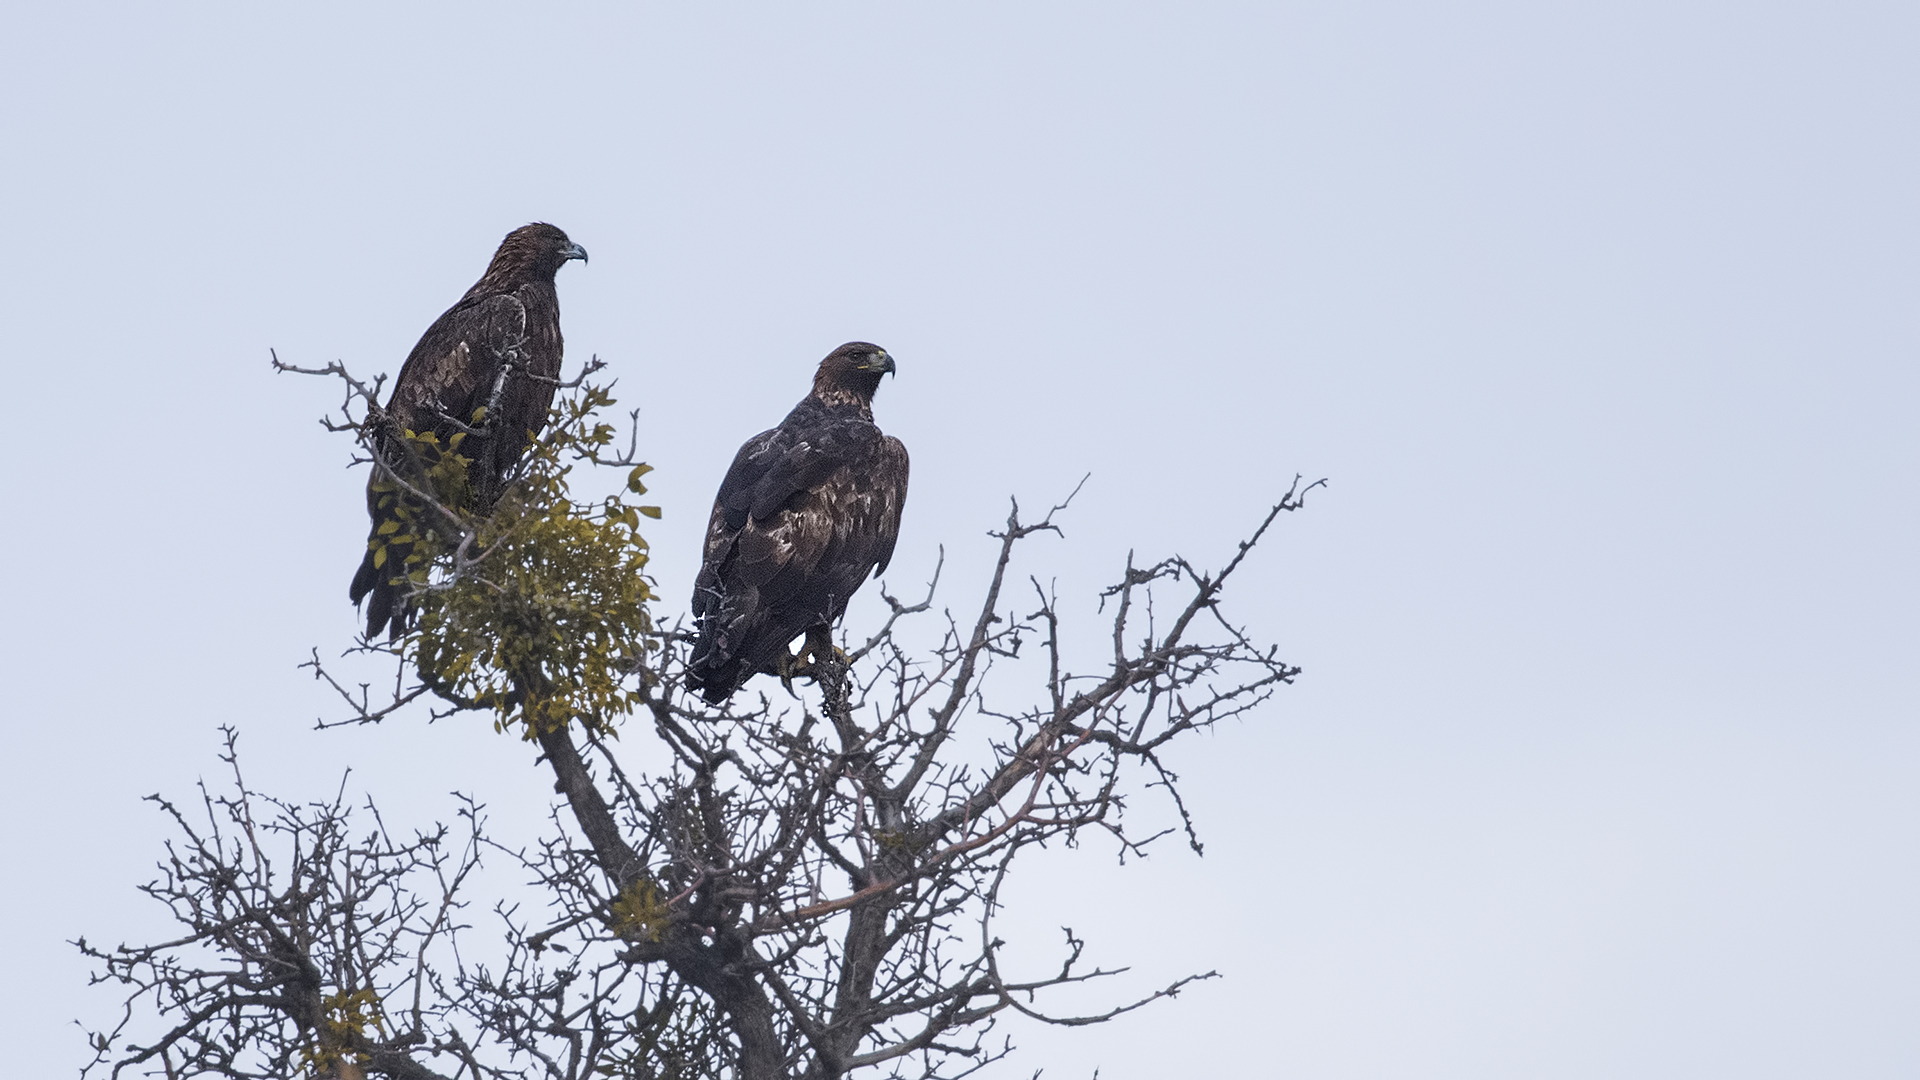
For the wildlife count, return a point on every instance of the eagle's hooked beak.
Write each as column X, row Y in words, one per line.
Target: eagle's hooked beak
column 881, row 361
column 574, row 251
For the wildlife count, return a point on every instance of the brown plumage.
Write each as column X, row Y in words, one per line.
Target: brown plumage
column 808, row 510
column 499, row 348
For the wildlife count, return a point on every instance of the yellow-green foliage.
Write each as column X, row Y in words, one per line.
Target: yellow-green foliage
column 410, row 532
column 543, row 616
column 345, row 1018
column 639, row 912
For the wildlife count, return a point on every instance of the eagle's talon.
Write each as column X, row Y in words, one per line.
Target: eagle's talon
column 788, row 667
column 806, row 663
column 820, row 644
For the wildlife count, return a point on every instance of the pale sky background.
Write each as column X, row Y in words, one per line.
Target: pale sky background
column 1601, row 318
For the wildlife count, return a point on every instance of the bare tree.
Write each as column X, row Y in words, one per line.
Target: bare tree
column 809, row 889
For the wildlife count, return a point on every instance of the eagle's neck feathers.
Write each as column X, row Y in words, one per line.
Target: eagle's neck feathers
column 835, row 398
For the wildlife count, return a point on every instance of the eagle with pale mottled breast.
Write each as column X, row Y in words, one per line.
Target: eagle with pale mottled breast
column 487, row 367
column 808, row 510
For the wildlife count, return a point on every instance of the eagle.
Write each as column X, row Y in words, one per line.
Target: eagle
column 807, row 511
column 488, row 367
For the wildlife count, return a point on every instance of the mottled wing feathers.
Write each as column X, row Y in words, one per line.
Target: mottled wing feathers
column 795, row 457
column 891, row 501
column 453, row 368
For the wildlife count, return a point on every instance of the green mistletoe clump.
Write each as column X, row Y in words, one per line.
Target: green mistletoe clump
column 536, row 607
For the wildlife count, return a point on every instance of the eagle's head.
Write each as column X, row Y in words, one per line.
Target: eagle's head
column 851, row 373
column 533, row 251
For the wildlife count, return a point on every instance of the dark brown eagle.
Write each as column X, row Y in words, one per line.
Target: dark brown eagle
column 807, row 511
column 497, row 350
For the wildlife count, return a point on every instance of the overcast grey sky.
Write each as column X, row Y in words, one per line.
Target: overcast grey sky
column 1599, row 316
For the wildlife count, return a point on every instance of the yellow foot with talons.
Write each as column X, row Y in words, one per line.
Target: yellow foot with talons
column 819, row 644
column 789, row 666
